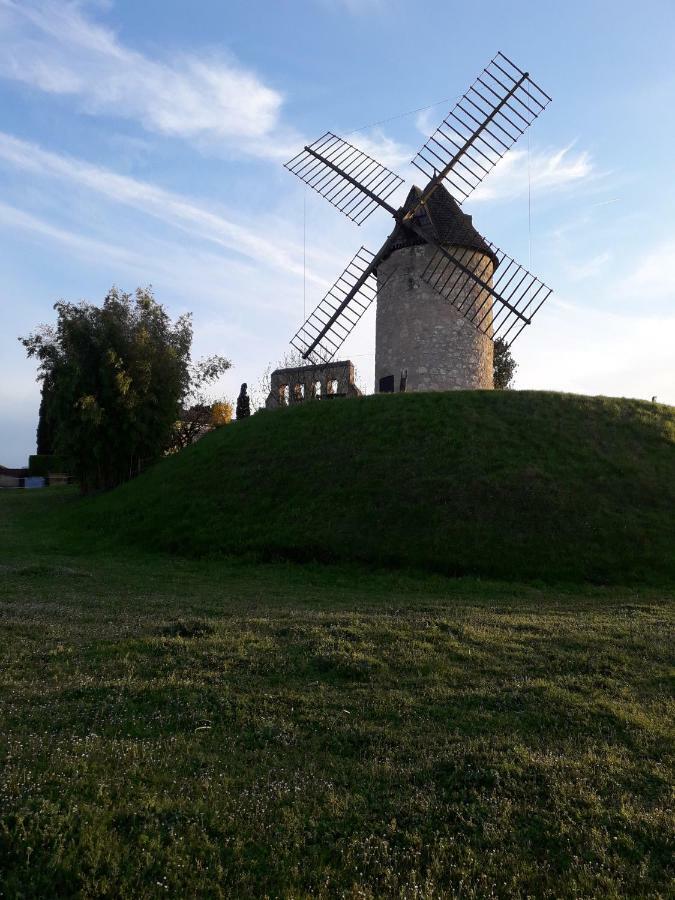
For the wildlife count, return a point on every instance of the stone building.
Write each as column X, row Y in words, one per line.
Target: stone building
column 322, row 382
column 418, row 330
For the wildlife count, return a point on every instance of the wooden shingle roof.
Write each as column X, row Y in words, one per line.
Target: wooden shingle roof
column 443, row 221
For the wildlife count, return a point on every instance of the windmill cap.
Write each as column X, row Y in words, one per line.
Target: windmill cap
column 443, row 222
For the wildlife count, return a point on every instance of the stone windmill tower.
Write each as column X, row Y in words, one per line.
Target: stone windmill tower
column 418, row 332
column 444, row 293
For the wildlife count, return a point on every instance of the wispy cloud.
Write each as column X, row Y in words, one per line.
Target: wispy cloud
column 52, row 46
column 380, row 146
column 355, row 7
column 426, row 121
column 172, row 208
column 190, row 272
column 589, row 268
column 544, row 170
column 547, row 171
column 90, row 248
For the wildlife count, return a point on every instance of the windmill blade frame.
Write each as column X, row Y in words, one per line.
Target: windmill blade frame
column 481, row 128
column 348, row 178
column 509, row 303
column 340, row 309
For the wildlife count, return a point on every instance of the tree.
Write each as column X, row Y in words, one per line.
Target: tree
column 198, row 418
column 503, row 366
column 243, row 403
column 196, row 421
column 118, row 377
column 45, row 429
column 221, row 414
column 192, row 424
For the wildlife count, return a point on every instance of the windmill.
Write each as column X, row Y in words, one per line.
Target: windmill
column 441, row 301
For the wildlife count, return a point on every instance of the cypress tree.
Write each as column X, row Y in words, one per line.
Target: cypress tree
column 243, row 403
column 45, row 429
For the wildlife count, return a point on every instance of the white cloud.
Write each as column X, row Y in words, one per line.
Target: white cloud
column 547, row 171
column 52, row 46
column 190, row 273
column 577, row 348
column 167, row 206
column 652, row 280
column 427, row 120
column 90, row 248
column 381, row 147
column 613, row 338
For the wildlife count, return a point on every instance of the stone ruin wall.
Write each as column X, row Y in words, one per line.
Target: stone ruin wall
column 301, row 383
column 418, row 330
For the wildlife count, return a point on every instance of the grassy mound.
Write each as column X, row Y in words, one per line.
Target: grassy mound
column 505, row 484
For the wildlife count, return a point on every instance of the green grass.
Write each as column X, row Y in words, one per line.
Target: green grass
column 519, row 485
column 219, row 728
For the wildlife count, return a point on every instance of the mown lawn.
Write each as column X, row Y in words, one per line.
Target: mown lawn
column 224, row 729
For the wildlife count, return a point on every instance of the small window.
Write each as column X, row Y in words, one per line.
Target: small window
column 317, row 389
column 298, row 393
column 284, row 394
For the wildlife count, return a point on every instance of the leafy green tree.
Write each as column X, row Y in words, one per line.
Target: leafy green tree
column 504, row 366
column 118, row 375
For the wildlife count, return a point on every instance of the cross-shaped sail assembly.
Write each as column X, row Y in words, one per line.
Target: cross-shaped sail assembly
column 485, row 123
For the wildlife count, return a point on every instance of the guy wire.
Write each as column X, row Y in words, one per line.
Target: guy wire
column 402, row 115
column 304, row 255
column 529, row 194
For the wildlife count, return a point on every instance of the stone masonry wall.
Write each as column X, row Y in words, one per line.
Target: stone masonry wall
column 418, row 330
column 322, row 382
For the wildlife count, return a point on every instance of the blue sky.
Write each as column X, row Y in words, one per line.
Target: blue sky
column 142, row 143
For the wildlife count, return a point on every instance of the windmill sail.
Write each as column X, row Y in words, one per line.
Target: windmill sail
column 352, row 181
column 500, row 307
column 486, row 122
column 339, row 311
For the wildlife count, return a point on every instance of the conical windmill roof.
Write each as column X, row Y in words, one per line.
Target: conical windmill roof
column 443, row 222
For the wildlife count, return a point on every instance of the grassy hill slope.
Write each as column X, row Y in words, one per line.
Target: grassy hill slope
column 502, row 484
